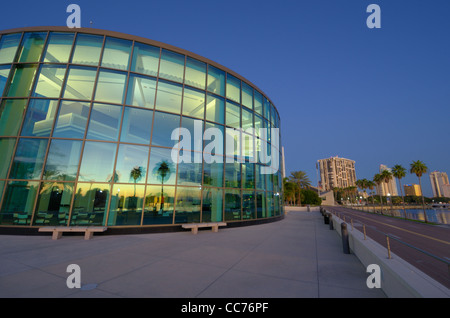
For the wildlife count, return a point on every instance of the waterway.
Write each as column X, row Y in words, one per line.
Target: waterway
column 433, row 215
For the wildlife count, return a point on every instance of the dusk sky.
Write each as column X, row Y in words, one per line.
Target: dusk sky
column 376, row 96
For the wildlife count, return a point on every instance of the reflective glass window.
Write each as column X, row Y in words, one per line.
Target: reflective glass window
column 266, row 109
column 4, row 73
column 212, row 205
column 162, row 169
column 131, row 164
column 258, row 126
column 215, row 109
column 214, row 140
column 233, row 88
column 232, row 208
column 116, row 53
column 104, row 123
column 190, row 170
column 145, row 59
column 59, row 46
column 232, row 174
column 31, row 47
column 247, row 95
column 126, row 206
column 269, row 204
column 141, row 91
column 261, row 210
column 168, row 97
column 248, row 175
column 98, row 162
column 39, row 117
column 188, row 204
column 18, row 203
column 171, row 66
column 72, row 119
column 193, row 103
column 21, row 81
column 8, row 47
column 247, row 118
column 195, row 73
column 192, row 138
column 136, row 125
column 159, row 204
column 80, row 83
column 163, row 126
column 11, row 115
column 258, row 102
column 259, row 178
column 213, row 174
column 90, row 204
column 216, row 80
column 29, row 159
column 233, row 115
column 249, row 147
column 62, row 161
column 53, row 203
column 49, row 81
column 87, row 49
column 248, row 204
column 111, row 87
column 6, row 151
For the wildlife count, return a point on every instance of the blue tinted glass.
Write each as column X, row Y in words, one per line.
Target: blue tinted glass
column 29, row 159
column 104, row 122
column 8, row 47
column 39, row 117
column 98, row 162
column 62, row 160
column 59, row 46
column 145, row 59
column 137, row 125
column 72, row 119
column 4, row 73
column 163, row 127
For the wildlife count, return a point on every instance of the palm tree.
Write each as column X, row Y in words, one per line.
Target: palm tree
column 301, row 179
column 162, row 170
column 387, row 177
column 362, row 184
column 136, row 174
column 378, row 179
column 419, row 168
column 289, row 191
column 370, row 186
column 399, row 172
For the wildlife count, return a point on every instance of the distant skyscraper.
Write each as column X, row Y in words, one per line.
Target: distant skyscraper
column 390, row 187
column 412, row 189
column 439, row 180
column 336, row 172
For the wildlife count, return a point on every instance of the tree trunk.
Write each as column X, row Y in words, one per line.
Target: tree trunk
column 423, row 202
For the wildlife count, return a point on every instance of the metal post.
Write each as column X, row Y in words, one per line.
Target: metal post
column 326, row 218
column 364, row 230
column 331, row 222
column 344, row 233
column 351, row 221
column 388, row 247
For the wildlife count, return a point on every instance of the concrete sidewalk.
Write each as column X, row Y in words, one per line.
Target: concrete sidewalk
column 297, row 257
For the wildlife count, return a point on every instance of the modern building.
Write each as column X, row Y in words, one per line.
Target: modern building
column 390, row 188
column 412, row 189
column 336, row 172
column 93, row 125
column 439, row 180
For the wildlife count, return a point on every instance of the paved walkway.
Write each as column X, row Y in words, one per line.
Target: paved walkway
column 298, row 257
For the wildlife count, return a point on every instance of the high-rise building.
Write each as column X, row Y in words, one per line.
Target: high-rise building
column 336, row 172
column 412, row 189
column 389, row 188
column 439, row 180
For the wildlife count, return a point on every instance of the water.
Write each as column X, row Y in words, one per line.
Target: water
column 433, row 215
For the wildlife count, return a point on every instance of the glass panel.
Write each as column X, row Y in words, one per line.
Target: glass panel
column 214, row 141
column 29, row 159
column 247, row 119
column 22, row 81
column 248, row 204
column 18, row 203
column 248, row 175
column 216, row 80
column 258, row 102
column 39, row 117
column 233, row 88
column 247, row 95
column 62, row 160
column 4, row 73
column 126, row 204
column 232, row 204
column 189, row 171
column 104, row 123
column 8, row 47
column 233, row 175
column 195, row 73
column 58, row 47
column 215, row 109
column 110, row 87
column 53, row 204
column 260, row 205
column 258, row 125
column 72, row 120
column 259, row 178
column 212, row 206
column 50, row 80
column 80, row 83
column 168, row 97
column 131, row 164
column 137, row 125
column 90, row 204
column 194, row 139
column 145, row 59
column 116, row 53
column 249, row 147
column 233, row 115
column 213, row 174
column 269, row 206
column 6, row 151
column 87, row 49
column 162, row 169
column 98, row 162
column 159, row 204
column 141, row 91
column 11, row 114
column 193, row 103
column 172, row 66
column 266, row 108
column 163, row 126
column 188, row 203
column 31, row 48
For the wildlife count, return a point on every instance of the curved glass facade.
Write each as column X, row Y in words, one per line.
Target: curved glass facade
column 88, row 134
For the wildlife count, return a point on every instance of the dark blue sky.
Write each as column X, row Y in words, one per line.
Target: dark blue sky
column 376, row 96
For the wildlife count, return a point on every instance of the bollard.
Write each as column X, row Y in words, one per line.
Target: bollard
column 344, row 233
column 331, row 222
column 326, row 218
